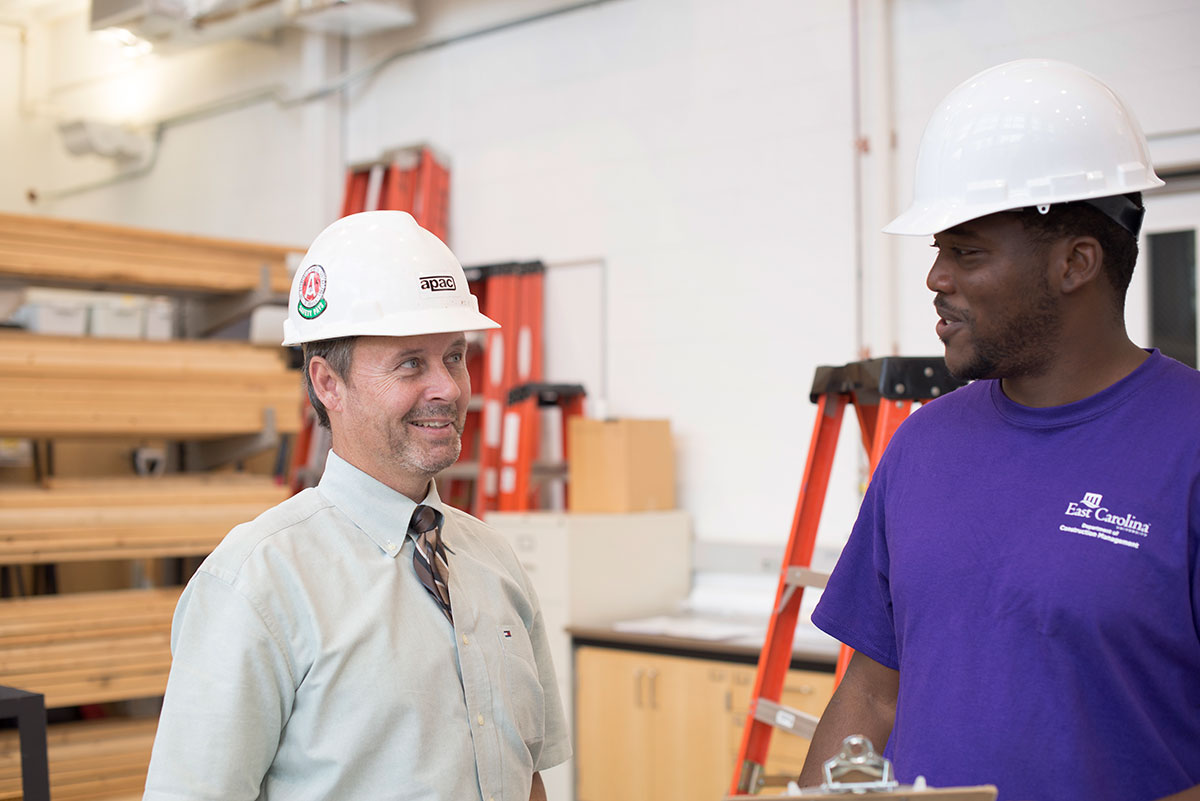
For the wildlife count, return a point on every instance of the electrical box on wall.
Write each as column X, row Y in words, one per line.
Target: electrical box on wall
column 180, row 24
column 350, row 17
column 150, row 19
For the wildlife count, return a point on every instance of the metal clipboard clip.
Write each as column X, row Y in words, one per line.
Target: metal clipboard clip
column 858, row 769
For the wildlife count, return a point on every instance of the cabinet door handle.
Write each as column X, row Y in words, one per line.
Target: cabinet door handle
column 637, row 688
column 652, row 674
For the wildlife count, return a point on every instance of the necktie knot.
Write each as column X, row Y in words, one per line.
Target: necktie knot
column 424, row 518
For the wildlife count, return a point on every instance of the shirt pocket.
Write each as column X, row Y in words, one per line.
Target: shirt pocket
column 523, row 694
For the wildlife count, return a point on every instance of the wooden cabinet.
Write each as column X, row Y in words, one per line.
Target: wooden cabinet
column 805, row 690
column 615, row 724
column 667, row 728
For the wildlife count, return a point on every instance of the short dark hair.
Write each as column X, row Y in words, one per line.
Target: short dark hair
column 339, row 355
column 1079, row 218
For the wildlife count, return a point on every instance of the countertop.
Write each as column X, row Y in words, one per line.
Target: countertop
column 811, row 648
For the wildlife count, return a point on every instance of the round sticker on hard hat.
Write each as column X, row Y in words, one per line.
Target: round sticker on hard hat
column 312, row 292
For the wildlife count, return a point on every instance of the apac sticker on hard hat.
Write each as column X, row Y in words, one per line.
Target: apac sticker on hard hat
column 312, row 292
column 438, row 283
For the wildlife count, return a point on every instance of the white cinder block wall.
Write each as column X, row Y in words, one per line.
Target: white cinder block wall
column 695, row 155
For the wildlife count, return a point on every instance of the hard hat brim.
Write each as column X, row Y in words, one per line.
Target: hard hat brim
column 931, row 218
column 404, row 324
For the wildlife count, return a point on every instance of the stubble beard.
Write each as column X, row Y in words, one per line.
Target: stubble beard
column 1020, row 349
column 413, row 458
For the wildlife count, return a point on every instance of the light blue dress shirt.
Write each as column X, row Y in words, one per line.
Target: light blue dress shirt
column 310, row 662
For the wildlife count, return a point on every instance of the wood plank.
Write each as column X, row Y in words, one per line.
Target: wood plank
column 34, row 355
column 81, row 654
column 65, row 407
column 109, row 232
column 33, row 248
column 200, row 489
column 153, row 274
column 64, row 386
column 85, row 648
column 103, row 760
column 79, row 616
column 104, row 685
column 168, row 256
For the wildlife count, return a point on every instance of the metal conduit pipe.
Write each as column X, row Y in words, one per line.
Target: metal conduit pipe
column 276, row 94
column 874, row 176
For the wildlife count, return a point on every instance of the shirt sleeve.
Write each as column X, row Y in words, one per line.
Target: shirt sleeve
column 556, row 745
column 228, row 695
column 856, row 606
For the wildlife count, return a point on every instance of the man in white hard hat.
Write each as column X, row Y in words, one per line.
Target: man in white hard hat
column 362, row 640
column 1022, row 586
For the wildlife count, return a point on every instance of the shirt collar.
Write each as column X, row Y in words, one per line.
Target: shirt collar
column 378, row 510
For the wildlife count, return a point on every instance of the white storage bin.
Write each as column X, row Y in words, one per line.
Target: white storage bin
column 159, row 321
column 118, row 316
column 54, row 311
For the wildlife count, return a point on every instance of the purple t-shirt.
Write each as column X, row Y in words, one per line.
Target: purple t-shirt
column 1033, row 575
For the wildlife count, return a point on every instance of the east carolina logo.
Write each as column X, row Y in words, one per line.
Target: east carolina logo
column 437, row 283
column 312, row 292
column 1090, row 508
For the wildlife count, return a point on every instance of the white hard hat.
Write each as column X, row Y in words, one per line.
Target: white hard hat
column 378, row 273
column 1027, row 133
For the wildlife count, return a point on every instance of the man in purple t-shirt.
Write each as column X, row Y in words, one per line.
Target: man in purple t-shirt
column 1022, row 586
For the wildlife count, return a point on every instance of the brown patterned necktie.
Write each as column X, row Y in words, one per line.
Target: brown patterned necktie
column 429, row 557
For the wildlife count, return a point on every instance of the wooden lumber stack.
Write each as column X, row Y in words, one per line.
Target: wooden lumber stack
column 88, row 760
column 88, row 647
column 91, row 648
column 77, row 386
column 127, row 518
column 83, row 254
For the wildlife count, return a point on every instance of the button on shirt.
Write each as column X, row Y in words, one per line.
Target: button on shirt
column 310, row 662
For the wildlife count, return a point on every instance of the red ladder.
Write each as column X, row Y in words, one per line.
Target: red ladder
column 512, row 295
column 408, row 179
column 882, row 392
column 522, row 439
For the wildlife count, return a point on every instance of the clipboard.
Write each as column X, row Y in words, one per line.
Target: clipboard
column 858, row 772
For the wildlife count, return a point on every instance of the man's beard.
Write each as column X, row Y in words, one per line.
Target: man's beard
column 1020, row 348
column 420, row 460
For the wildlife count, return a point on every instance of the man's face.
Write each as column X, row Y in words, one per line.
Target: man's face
column 998, row 316
column 406, row 402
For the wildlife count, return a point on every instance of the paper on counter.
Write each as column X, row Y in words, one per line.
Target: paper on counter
column 696, row 628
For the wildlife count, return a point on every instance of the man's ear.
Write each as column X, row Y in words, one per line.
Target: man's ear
column 328, row 385
column 1081, row 262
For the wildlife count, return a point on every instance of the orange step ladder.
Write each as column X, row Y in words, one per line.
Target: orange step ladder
column 882, row 392
column 512, row 295
column 522, row 439
column 407, row 179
